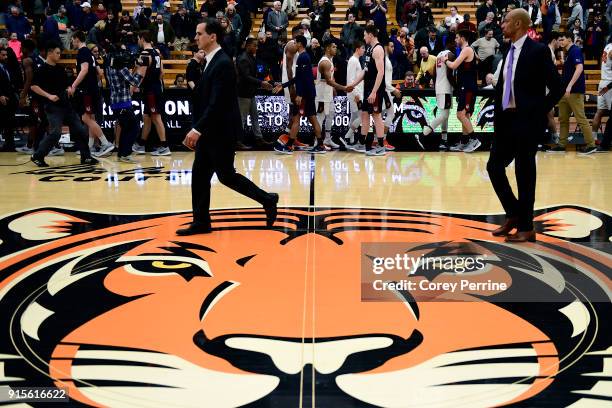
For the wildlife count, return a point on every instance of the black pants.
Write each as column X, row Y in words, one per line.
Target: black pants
column 512, row 142
column 607, row 136
column 7, row 124
column 129, row 130
column 217, row 159
column 57, row 115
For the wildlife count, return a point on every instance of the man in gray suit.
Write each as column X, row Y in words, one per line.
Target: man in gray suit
column 277, row 22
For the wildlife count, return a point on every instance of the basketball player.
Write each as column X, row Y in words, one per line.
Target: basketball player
column 152, row 92
column 604, row 97
column 325, row 87
column 391, row 92
column 355, row 98
column 373, row 77
column 305, row 100
column 288, row 72
column 467, row 85
column 89, row 94
column 444, row 96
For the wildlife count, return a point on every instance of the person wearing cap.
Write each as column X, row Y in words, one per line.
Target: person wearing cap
column 75, row 15
column 166, row 13
column 89, row 18
column 182, row 24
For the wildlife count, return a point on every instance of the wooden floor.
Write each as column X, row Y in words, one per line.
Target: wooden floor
column 99, row 296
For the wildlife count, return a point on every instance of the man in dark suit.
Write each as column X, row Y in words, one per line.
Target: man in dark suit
column 216, row 128
column 8, row 103
column 528, row 88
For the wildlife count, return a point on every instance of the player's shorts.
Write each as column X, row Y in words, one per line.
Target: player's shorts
column 605, row 101
column 444, row 101
column 153, row 103
column 377, row 106
column 307, row 108
column 90, row 104
column 293, row 110
column 465, row 100
column 325, row 107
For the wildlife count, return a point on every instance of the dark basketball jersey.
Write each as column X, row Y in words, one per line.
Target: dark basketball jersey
column 371, row 71
column 152, row 79
column 466, row 75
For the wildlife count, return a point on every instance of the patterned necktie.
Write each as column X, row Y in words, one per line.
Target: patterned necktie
column 508, row 80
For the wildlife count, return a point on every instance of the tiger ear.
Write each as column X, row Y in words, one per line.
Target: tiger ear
column 43, row 225
column 570, row 222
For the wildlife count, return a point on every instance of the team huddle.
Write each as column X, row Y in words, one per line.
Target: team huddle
column 370, row 96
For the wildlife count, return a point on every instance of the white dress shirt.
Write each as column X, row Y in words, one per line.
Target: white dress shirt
column 207, row 60
column 518, row 46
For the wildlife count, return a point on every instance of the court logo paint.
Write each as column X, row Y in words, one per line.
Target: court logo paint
column 126, row 314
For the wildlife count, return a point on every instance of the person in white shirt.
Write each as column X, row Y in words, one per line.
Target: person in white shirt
column 326, row 87
column 454, row 18
column 604, row 95
column 444, row 97
column 355, row 98
column 391, row 92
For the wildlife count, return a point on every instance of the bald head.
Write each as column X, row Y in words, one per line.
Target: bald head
column 515, row 24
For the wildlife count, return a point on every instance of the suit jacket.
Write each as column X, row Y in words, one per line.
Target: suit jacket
column 7, row 88
column 248, row 83
column 277, row 20
column 215, row 104
column 535, row 73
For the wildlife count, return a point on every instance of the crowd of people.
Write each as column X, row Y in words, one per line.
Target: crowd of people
column 455, row 55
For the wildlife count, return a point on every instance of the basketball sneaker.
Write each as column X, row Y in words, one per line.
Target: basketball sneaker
column 388, row 146
column 376, row 151
column 105, row 150
column 330, row 143
column 161, row 151
column 457, row 147
column 24, row 150
column 282, row 148
column 358, row 147
column 472, row 145
column 138, row 149
column 56, row 151
column 318, row 149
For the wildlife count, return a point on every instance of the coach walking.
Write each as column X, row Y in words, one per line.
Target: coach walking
column 528, row 88
column 216, row 128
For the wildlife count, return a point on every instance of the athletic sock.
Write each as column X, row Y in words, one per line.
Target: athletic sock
column 444, row 136
column 287, row 130
column 103, row 140
column 471, row 136
column 368, row 141
column 163, row 143
column 91, row 142
column 381, row 141
column 362, row 138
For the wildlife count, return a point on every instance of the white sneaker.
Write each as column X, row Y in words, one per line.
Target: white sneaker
column 376, row 151
column 472, row 146
column 56, row 152
column 329, row 142
column 104, row 150
column 24, row 150
column 127, row 159
column 458, row 147
column 161, row 151
column 358, row 147
column 138, row 149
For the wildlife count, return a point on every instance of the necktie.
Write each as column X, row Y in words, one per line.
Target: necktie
column 508, row 80
column 8, row 76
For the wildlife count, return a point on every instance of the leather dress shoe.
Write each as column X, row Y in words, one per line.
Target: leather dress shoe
column 194, row 230
column 506, row 227
column 522, row 236
column 271, row 209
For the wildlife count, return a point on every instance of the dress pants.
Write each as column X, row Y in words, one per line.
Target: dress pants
column 574, row 103
column 514, row 140
column 217, row 157
column 129, row 130
column 57, row 115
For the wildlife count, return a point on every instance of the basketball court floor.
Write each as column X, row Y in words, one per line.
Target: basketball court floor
column 100, row 298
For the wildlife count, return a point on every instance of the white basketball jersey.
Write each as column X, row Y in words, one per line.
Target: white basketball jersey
column 284, row 75
column 353, row 71
column 388, row 75
column 443, row 85
column 606, row 65
column 325, row 92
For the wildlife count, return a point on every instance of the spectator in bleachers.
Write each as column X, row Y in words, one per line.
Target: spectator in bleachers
column 62, row 27
column 163, row 36
column 114, row 5
column 320, row 17
column 36, row 9
column 277, row 22
column 236, row 21
column 595, row 38
column 13, row 66
column 485, row 8
column 429, row 39
column 50, row 29
column 315, row 51
column 486, row 47
column 18, row 23
column 89, row 18
column 110, row 31
column 183, row 27
column 426, row 68
column 127, row 32
column 101, row 12
column 454, row 18
column 577, row 14
column 534, row 13
column 378, row 13
column 354, row 10
column 425, row 18
column 351, row 31
column 179, row 82
column 466, row 24
column 290, row 7
column 166, row 12
column 242, row 10
column 195, row 68
column 552, row 19
column 95, row 34
column 490, row 24
column 15, row 45
column 229, row 39
column 410, row 15
column 156, row 5
column 75, row 15
column 398, row 58
column 139, row 9
column 576, row 30
column 268, row 55
column 189, row 5
column 305, row 23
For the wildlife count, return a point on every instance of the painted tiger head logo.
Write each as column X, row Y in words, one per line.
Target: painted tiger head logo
column 126, row 314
